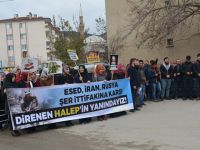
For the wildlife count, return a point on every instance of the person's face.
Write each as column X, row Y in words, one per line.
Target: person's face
column 198, row 58
column 102, row 70
column 33, row 75
column 141, row 64
column 136, row 63
column 81, row 69
column 13, row 79
column 133, row 63
column 178, row 62
column 18, row 71
column 167, row 61
column 67, row 70
column 147, row 62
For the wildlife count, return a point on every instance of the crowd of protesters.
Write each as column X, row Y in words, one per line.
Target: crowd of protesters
column 149, row 80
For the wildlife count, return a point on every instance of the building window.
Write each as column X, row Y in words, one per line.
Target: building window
column 167, row 2
column 9, row 26
column 48, row 45
column 21, row 25
column 23, row 36
column 24, row 47
column 9, row 37
column 47, row 34
column 170, row 42
column 11, row 58
column 10, row 47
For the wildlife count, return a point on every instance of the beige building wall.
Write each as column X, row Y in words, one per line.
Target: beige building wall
column 117, row 19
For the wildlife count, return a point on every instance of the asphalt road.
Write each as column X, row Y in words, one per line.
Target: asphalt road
column 167, row 125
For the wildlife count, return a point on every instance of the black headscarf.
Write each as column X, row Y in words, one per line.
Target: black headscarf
column 8, row 83
column 85, row 70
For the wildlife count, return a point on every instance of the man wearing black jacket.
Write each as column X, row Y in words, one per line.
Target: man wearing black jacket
column 187, row 71
column 197, row 76
column 178, row 79
column 166, row 71
column 134, row 74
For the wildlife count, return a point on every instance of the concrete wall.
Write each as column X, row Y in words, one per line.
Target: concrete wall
column 117, row 19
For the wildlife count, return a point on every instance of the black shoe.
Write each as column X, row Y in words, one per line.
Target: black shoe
column 143, row 104
column 69, row 124
column 30, row 130
column 15, row 133
column 52, row 126
column 137, row 109
column 184, row 98
column 132, row 110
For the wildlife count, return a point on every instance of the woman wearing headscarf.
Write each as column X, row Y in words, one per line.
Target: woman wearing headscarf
column 100, row 75
column 10, row 82
column 120, row 73
column 34, row 81
column 23, row 80
column 67, row 78
column 82, row 77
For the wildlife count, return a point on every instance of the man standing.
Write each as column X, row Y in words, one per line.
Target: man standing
column 166, row 71
column 133, row 73
column 197, row 77
column 187, row 70
column 142, row 82
column 178, row 86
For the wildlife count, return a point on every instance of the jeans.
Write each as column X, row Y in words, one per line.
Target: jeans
column 148, row 91
column 165, row 84
column 156, row 90
column 141, row 98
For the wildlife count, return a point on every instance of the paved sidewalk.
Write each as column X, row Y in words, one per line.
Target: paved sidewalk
column 167, row 125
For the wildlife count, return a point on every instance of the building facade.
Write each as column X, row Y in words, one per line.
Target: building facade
column 29, row 36
column 117, row 16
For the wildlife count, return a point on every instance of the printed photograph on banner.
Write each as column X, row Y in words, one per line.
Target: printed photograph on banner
column 113, row 62
column 73, row 55
column 93, row 57
column 29, row 64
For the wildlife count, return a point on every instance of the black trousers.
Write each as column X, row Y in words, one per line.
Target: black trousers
column 187, row 86
column 178, row 87
column 196, row 86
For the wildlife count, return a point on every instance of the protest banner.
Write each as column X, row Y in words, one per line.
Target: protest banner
column 93, row 57
column 46, row 105
column 73, row 55
column 29, row 64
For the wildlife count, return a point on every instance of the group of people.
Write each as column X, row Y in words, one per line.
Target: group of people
column 149, row 80
column 31, row 79
column 167, row 80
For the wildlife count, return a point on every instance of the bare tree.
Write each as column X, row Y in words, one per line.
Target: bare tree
column 117, row 42
column 156, row 20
